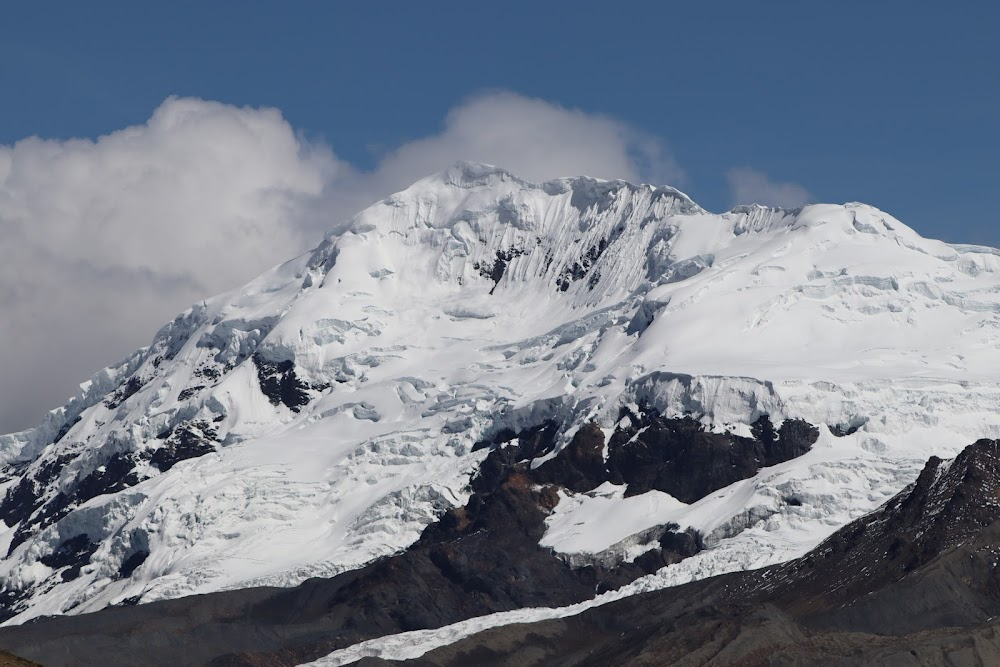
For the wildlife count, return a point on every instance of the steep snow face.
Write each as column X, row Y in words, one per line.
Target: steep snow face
column 322, row 415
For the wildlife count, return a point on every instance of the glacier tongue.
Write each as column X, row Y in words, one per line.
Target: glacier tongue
column 320, row 416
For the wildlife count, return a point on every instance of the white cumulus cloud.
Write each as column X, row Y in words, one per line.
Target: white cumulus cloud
column 104, row 240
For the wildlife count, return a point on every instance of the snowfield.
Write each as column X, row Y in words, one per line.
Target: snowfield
column 339, row 395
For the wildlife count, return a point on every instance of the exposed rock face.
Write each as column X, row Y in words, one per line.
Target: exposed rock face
column 189, row 440
column 914, row 583
column 496, row 270
column 73, row 554
column 950, row 504
column 679, row 457
column 32, row 505
column 580, row 465
column 674, row 546
column 279, row 382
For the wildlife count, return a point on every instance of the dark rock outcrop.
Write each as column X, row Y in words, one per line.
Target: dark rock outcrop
column 27, row 496
column 128, row 388
column 495, row 270
column 280, row 384
column 27, row 504
column 580, row 465
column 674, row 546
column 579, row 269
column 914, row 583
column 132, row 563
column 680, row 457
column 186, row 441
column 71, row 554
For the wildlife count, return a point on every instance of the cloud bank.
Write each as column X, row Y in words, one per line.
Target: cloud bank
column 104, row 240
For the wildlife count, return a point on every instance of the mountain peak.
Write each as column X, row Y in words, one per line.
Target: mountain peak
column 585, row 190
column 467, row 174
column 355, row 381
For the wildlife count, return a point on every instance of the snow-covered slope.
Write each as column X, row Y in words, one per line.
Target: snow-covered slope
column 322, row 415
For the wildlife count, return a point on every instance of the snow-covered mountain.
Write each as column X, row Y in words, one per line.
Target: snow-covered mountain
column 326, row 413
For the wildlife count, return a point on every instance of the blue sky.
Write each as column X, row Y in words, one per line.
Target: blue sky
column 186, row 185
column 892, row 103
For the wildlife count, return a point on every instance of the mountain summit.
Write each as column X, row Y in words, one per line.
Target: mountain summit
column 325, row 414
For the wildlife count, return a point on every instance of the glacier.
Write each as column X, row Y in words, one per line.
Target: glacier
column 321, row 416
